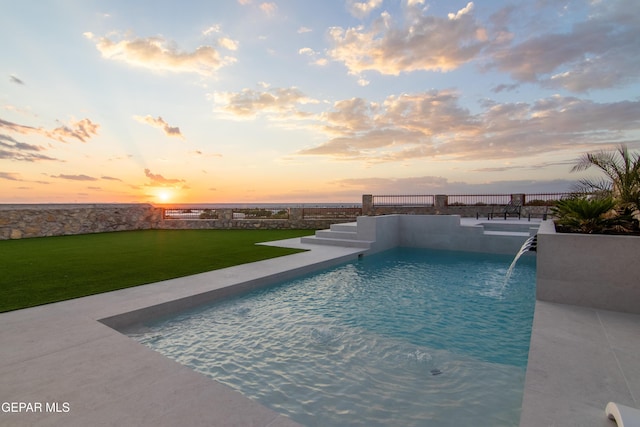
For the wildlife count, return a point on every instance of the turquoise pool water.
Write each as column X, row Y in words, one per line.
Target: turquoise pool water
column 408, row 337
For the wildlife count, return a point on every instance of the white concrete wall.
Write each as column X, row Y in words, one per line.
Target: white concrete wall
column 599, row 271
column 383, row 231
column 443, row 232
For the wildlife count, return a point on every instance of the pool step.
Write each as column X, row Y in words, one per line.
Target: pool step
column 507, row 233
column 345, row 234
column 350, row 243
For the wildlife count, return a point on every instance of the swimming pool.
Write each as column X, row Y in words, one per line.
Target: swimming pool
column 405, row 337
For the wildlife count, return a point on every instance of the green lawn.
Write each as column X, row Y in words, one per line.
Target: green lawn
column 44, row 270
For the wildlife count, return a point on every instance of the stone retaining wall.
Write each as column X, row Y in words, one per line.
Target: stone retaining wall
column 26, row 221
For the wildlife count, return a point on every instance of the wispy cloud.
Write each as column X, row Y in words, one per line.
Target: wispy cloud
column 161, row 124
column 158, row 54
column 10, row 176
column 14, row 79
column 159, row 180
column 75, row 177
column 248, row 103
column 81, row 130
column 434, row 184
column 270, row 8
column 362, row 9
column 11, row 149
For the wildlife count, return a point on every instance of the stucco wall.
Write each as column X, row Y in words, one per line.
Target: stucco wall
column 437, row 232
column 598, row 271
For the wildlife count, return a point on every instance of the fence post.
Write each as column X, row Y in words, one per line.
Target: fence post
column 367, row 204
column 441, row 201
column 515, row 198
column 296, row 214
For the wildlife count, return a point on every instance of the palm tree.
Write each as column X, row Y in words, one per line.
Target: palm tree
column 622, row 170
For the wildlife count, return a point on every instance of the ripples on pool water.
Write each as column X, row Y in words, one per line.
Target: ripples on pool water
column 408, row 337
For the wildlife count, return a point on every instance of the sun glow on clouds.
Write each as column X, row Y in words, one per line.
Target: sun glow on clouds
column 158, row 54
column 364, row 96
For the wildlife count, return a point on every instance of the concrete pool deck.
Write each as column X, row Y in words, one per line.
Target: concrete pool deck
column 60, row 365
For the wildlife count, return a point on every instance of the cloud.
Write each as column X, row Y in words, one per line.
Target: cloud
column 75, row 177
column 269, row 8
column 10, row 149
column 362, row 9
column 433, row 124
column 110, row 178
column 228, row 43
column 14, row 79
column 156, row 53
column 248, row 103
column 81, row 130
column 426, row 42
column 211, row 30
column 14, row 127
column 436, row 184
column 597, row 53
column 157, row 179
column 10, row 176
column 303, row 30
column 161, row 124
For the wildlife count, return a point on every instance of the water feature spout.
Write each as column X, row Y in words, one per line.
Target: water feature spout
column 531, row 244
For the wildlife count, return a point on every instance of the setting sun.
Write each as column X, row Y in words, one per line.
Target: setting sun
column 164, row 196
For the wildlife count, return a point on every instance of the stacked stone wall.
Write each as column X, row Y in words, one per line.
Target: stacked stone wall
column 26, row 221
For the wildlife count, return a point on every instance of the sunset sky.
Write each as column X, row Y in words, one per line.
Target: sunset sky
column 309, row 101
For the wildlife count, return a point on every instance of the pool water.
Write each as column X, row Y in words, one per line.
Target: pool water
column 409, row 337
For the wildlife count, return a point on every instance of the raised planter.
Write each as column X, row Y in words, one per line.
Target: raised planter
column 591, row 270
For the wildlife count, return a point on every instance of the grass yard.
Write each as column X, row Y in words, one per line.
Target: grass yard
column 49, row 269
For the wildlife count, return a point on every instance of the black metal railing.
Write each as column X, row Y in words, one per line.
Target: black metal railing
column 191, row 213
column 261, row 213
column 331, row 212
column 545, row 199
column 478, row 199
column 403, row 200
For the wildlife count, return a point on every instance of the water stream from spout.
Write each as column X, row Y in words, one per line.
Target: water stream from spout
column 531, row 244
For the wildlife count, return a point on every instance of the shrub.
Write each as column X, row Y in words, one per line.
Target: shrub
column 593, row 216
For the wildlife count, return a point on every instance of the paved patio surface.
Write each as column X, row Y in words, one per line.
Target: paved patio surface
column 74, row 370
column 579, row 360
column 84, row 373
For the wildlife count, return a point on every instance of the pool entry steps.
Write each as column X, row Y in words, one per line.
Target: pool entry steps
column 446, row 232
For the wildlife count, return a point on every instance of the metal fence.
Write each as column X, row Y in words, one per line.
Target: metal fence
column 171, row 213
column 545, row 199
column 261, row 213
column 535, row 199
column 331, row 213
column 478, row 199
column 403, row 200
